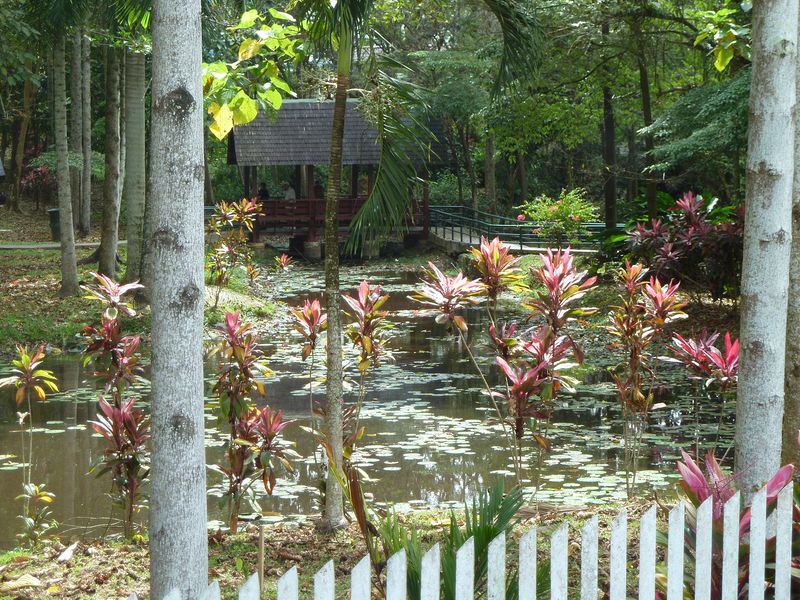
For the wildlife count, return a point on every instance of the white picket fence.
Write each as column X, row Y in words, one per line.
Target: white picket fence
column 780, row 527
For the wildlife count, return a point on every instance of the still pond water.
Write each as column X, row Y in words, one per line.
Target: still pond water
column 430, row 441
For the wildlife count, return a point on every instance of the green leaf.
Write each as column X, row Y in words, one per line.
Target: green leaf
column 243, row 107
column 723, row 57
column 249, row 48
column 280, row 84
column 276, row 14
column 272, row 97
column 248, row 19
column 223, row 120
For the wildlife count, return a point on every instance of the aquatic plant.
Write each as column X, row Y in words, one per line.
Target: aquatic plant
column 705, row 360
column 229, row 229
column 254, row 444
column 126, row 429
column 368, row 325
column 497, row 267
column 29, row 378
column 563, row 285
column 447, row 295
column 117, row 363
column 646, row 308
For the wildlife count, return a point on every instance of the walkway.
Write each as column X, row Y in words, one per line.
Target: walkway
column 455, row 241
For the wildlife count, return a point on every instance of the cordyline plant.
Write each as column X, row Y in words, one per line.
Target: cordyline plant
column 697, row 243
column 283, row 262
column 29, row 379
column 497, row 268
column 721, row 486
column 706, row 361
column 229, row 229
column 532, row 360
column 116, row 361
column 646, row 308
column 254, row 441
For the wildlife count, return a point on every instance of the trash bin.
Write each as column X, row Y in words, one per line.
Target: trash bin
column 55, row 224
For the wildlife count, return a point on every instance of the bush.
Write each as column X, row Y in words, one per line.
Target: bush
column 560, row 219
column 444, row 189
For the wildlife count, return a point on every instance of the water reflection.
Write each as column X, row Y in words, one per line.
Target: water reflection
column 428, row 443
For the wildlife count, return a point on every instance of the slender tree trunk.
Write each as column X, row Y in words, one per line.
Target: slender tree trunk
column 69, row 266
column 178, row 537
column 522, row 174
column 28, row 92
column 135, row 160
column 791, row 413
column 489, row 173
column 123, row 143
column 767, row 243
column 86, row 134
column 75, row 118
column 609, row 141
column 647, row 116
column 334, row 511
column 467, row 158
column 111, row 198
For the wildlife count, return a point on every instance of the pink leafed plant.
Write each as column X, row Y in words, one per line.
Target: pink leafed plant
column 309, row 321
column 449, row 294
column 369, row 323
column 496, row 265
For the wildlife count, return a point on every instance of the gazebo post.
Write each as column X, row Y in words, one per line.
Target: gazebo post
column 354, row 181
column 246, row 181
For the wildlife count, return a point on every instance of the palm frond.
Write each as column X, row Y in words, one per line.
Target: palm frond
column 522, row 41
column 398, row 111
column 327, row 19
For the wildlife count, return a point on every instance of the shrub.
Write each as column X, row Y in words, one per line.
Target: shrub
column 560, row 219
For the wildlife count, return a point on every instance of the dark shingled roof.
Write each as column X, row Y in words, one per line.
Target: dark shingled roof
column 300, row 134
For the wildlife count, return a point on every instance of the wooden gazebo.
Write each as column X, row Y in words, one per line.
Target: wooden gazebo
column 299, row 136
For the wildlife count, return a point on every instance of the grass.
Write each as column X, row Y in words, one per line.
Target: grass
column 114, row 568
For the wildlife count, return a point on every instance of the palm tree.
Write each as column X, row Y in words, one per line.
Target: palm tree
column 339, row 24
column 111, row 197
column 178, row 537
column 134, row 189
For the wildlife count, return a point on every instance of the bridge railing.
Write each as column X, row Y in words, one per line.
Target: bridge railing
column 465, row 224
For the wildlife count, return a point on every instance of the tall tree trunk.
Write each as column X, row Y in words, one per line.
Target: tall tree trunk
column 466, row 156
column 489, row 172
column 123, row 144
column 69, row 266
column 178, row 537
column 334, row 511
column 767, row 243
column 28, row 92
column 84, row 221
column 75, row 118
column 134, row 160
column 111, row 197
column 647, row 116
column 791, row 413
column 609, row 141
column 522, row 175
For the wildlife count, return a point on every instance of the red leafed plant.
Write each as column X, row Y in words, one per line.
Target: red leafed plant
column 704, row 359
column 117, row 363
column 283, row 262
column 448, row 294
column 368, row 325
column 253, row 434
column 721, row 486
column 497, row 267
column 126, row 429
column 309, row 321
column 564, row 286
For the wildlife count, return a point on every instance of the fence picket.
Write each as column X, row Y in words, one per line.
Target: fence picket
column 213, row 592
column 174, row 594
column 558, row 562
column 527, row 565
column 619, row 557
column 396, row 576
column 288, row 585
column 647, row 555
column 429, row 575
column 360, row 584
column 324, row 583
column 702, row 556
column 758, row 534
column 465, row 571
column 730, row 549
column 250, row 590
column 675, row 553
column 496, row 578
column 589, row 560
column 783, row 544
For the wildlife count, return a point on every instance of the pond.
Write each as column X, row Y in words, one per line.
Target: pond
column 430, row 441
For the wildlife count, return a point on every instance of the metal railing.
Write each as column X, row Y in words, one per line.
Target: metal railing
column 466, row 225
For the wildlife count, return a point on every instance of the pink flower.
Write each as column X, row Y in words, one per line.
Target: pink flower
column 520, row 217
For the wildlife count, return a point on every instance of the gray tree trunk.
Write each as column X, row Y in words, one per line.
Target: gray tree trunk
column 86, row 134
column 111, row 197
column 178, row 536
column 767, row 242
column 791, row 413
column 134, row 160
column 489, row 173
column 75, row 118
column 69, row 266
